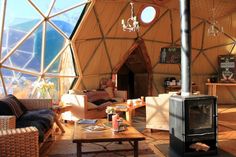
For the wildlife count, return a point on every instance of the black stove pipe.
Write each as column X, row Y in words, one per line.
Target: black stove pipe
column 185, row 27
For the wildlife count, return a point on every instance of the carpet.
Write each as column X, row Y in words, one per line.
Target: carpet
column 66, row 148
column 167, row 152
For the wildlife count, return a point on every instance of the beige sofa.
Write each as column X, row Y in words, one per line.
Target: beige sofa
column 82, row 108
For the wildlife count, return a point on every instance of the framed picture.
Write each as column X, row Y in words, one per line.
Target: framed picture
column 170, row 55
column 227, row 68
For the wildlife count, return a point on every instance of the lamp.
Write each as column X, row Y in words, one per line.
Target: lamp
column 214, row 28
column 132, row 23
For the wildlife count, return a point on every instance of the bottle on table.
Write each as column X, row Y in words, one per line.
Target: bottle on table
column 115, row 123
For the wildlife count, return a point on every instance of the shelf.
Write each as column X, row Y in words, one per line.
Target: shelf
column 178, row 88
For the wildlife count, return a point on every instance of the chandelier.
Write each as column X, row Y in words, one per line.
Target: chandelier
column 214, row 28
column 132, row 23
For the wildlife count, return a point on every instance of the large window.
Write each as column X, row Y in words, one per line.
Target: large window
column 35, row 45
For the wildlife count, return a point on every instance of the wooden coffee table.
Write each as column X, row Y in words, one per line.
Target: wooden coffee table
column 81, row 135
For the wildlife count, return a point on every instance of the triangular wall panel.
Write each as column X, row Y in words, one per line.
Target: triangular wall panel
column 117, row 49
column 90, row 28
column 85, row 50
column 154, row 50
column 202, row 60
column 197, row 36
column 161, row 31
column 167, row 69
column 212, row 41
column 99, row 63
column 106, row 10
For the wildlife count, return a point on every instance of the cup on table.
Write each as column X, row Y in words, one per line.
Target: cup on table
column 129, row 103
column 142, row 99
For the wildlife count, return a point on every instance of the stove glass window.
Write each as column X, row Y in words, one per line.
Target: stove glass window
column 200, row 116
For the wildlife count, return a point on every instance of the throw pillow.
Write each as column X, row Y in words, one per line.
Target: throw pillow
column 5, row 109
column 17, row 101
column 77, row 92
column 110, row 84
column 12, row 103
column 110, row 92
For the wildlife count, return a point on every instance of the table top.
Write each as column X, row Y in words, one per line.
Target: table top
column 221, row 84
column 81, row 134
column 119, row 106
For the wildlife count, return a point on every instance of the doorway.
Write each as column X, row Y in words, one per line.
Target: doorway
column 134, row 75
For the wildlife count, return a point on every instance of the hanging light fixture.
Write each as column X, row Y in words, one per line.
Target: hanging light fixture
column 214, row 28
column 132, row 23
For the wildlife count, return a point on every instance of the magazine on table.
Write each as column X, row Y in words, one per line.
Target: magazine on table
column 87, row 121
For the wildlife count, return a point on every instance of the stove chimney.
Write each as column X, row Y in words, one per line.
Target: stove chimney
column 185, row 17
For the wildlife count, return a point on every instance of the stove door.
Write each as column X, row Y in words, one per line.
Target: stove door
column 200, row 116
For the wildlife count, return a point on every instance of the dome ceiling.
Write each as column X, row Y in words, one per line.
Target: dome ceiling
column 101, row 39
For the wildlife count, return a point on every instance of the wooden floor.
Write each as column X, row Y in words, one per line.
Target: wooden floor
column 226, row 132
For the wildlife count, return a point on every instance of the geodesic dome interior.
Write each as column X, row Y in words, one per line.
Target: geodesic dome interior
column 76, row 44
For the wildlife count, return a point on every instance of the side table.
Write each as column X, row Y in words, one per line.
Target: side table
column 58, row 110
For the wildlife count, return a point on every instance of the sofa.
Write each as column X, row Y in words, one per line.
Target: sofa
column 91, row 104
column 25, row 124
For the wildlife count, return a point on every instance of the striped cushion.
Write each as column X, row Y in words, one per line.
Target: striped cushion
column 14, row 105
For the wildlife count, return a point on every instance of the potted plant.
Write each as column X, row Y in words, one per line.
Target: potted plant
column 110, row 112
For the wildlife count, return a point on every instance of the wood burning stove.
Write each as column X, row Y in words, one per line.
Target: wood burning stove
column 193, row 125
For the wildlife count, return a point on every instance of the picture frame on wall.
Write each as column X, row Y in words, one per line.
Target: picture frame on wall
column 227, row 68
column 170, row 55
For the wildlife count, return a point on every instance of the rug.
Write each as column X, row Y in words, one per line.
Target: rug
column 66, row 148
column 167, row 152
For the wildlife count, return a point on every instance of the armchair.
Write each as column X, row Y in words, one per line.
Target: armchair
column 23, row 136
column 17, row 141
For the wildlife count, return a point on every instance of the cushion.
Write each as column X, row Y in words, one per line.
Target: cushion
column 104, row 105
column 12, row 106
column 96, row 95
column 5, row 109
column 91, row 105
column 103, row 83
column 102, row 101
column 110, row 92
column 110, row 84
column 41, row 119
column 77, row 92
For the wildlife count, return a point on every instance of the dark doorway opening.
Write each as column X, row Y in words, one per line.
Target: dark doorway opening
column 134, row 76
